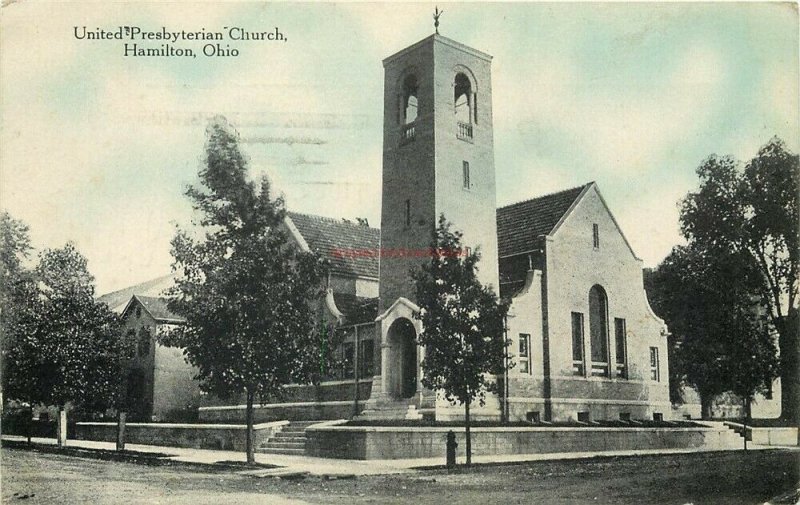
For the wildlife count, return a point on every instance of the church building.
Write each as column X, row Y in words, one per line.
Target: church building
column 586, row 344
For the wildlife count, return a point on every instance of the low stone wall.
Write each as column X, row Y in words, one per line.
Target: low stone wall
column 198, row 436
column 356, row 442
column 296, row 411
column 769, row 436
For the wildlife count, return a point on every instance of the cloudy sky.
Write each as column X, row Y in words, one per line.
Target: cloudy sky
column 97, row 147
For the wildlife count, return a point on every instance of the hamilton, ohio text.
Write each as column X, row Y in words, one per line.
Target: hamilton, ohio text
column 138, row 41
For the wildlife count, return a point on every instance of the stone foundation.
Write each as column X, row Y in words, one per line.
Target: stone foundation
column 230, row 437
column 358, row 442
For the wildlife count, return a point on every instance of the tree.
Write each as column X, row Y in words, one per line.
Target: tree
column 17, row 310
column 754, row 212
column 463, row 325
column 71, row 350
column 247, row 294
column 711, row 304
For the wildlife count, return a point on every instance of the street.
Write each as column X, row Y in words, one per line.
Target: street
column 707, row 478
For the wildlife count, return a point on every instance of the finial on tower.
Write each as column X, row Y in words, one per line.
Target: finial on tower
column 436, row 15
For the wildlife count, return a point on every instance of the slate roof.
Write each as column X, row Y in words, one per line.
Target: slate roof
column 157, row 307
column 519, row 224
column 118, row 300
column 351, row 248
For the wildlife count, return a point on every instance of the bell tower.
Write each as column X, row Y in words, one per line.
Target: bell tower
column 438, row 158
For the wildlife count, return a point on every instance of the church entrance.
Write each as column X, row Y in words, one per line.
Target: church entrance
column 403, row 359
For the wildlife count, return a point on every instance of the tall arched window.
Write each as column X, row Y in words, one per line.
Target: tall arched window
column 144, row 341
column 598, row 327
column 462, row 99
column 410, row 105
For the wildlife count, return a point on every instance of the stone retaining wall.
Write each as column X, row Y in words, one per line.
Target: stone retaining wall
column 770, row 435
column 355, row 442
column 296, row 411
column 229, row 437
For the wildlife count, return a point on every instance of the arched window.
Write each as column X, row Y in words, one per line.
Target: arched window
column 410, row 104
column 462, row 99
column 598, row 326
column 131, row 342
column 144, row 342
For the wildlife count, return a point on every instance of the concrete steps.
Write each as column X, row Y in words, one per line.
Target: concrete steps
column 290, row 440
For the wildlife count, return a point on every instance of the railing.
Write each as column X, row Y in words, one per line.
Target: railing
column 599, row 368
column 408, row 134
column 464, row 131
column 622, row 371
column 577, row 367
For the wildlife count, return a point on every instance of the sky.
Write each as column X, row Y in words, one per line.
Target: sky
column 98, row 148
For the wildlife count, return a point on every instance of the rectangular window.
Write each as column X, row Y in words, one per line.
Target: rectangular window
column 621, row 345
column 596, row 236
column 465, row 169
column 408, row 212
column 654, row 373
column 366, row 359
column 348, row 370
column 524, row 353
column 577, row 343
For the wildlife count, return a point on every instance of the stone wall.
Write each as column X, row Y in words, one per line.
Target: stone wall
column 353, row 442
column 197, row 436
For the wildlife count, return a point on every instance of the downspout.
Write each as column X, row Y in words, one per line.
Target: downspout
column 547, row 381
column 356, row 365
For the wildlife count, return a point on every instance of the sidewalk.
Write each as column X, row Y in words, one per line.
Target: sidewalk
column 340, row 467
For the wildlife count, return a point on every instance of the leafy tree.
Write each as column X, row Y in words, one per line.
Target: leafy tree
column 710, row 303
column 246, row 294
column 754, row 213
column 17, row 309
column 462, row 325
column 72, row 350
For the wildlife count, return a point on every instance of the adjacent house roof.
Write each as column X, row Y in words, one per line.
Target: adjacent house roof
column 156, row 307
column 118, row 300
column 519, row 224
column 351, row 248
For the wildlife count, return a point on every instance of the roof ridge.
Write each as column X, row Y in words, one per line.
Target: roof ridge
column 333, row 220
column 554, row 193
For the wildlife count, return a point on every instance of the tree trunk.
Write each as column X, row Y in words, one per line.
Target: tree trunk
column 61, row 433
column 29, row 424
column 747, row 416
column 705, row 405
column 251, row 456
column 789, row 347
column 121, row 430
column 468, row 436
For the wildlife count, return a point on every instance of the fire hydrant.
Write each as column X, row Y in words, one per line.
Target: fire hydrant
column 451, row 449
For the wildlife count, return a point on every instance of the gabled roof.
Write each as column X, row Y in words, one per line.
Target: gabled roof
column 352, row 249
column 118, row 300
column 519, row 224
column 156, row 307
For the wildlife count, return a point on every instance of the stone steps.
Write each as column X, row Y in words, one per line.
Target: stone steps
column 290, row 440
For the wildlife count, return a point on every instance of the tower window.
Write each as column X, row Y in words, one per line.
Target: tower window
column 462, row 99
column 408, row 212
column 596, row 236
column 465, row 169
column 409, row 102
